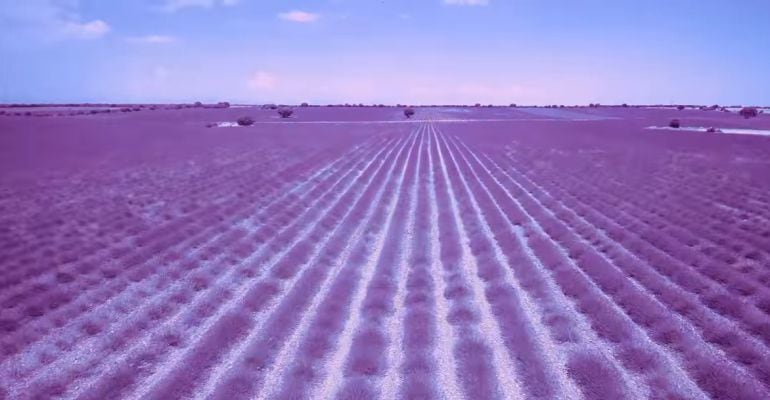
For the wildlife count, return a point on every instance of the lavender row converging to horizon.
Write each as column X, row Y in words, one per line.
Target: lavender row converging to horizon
column 351, row 253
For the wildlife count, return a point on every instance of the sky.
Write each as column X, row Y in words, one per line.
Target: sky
column 386, row 51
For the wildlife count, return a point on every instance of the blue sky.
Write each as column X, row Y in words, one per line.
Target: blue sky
column 386, row 51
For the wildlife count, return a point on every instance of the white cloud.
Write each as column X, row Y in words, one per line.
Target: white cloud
column 467, row 2
column 49, row 19
column 263, row 80
column 86, row 30
column 176, row 5
column 151, row 39
column 299, row 16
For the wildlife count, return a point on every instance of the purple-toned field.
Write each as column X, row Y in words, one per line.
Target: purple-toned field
column 478, row 253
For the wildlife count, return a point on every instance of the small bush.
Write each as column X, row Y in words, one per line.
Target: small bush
column 713, row 130
column 624, row 105
column 680, row 107
column 198, row 104
column 285, row 112
column 674, row 123
column 304, row 105
column 477, row 105
column 223, row 104
column 245, row 121
column 408, row 112
column 748, row 112
column 513, row 105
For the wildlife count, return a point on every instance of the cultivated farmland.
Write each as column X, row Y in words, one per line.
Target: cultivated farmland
column 496, row 253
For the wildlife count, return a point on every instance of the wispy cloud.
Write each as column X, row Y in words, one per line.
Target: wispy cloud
column 86, row 30
column 176, row 5
column 49, row 19
column 299, row 16
column 467, row 2
column 152, row 39
column 263, row 80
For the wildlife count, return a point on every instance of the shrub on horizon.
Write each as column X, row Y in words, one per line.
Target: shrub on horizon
column 198, row 104
column 513, row 105
column 245, row 121
column 713, row 130
column 680, row 107
column 674, row 123
column 408, row 112
column 223, row 104
column 304, row 105
column 748, row 112
column 285, row 112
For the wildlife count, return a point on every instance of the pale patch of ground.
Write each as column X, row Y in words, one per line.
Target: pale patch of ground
column 735, row 131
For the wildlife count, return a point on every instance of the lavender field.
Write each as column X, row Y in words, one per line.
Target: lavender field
column 350, row 253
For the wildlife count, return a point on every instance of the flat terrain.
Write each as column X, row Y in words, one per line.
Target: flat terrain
column 479, row 253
